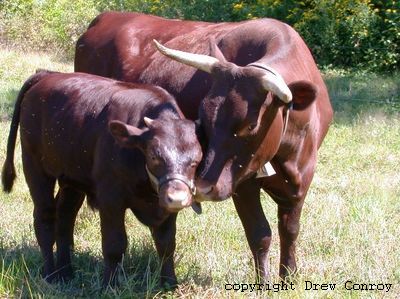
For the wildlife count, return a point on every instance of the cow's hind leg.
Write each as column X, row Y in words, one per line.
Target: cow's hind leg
column 69, row 201
column 256, row 226
column 41, row 187
column 164, row 238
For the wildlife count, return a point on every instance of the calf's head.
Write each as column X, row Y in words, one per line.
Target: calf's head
column 172, row 154
column 242, row 118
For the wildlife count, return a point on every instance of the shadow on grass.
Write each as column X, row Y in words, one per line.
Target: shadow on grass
column 20, row 275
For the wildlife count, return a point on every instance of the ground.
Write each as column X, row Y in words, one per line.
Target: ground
column 349, row 226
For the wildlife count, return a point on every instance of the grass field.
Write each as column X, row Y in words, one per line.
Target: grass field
column 350, row 222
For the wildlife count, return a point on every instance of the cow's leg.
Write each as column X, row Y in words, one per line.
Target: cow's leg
column 256, row 226
column 164, row 238
column 69, row 202
column 289, row 225
column 290, row 202
column 114, row 240
column 41, row 188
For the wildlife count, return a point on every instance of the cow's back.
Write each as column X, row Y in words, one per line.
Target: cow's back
column 119, row 45
column 118, row 39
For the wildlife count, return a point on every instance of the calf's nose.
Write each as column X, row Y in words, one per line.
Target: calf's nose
column 175, row 195
column 178, row 198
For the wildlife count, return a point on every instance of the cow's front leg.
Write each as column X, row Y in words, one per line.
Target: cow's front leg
column 289, row 225
column 256, row 226
column 69, row 202
column 164, row 238
column 114, row 240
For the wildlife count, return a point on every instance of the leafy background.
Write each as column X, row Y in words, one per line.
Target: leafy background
column 362, row 34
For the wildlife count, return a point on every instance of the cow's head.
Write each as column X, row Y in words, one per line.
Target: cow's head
column 172, row 154
column 242, row 118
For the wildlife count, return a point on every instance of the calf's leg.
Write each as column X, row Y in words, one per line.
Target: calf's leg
column 41, row 187
column 114, row 240
column 69, row 201
column 164, row 238
column 257, row 229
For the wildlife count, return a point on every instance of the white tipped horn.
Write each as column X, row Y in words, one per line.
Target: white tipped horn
column 148, row 121
column 199, row 61
column 273, row 81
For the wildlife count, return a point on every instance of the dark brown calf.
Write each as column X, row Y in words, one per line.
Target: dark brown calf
column 123, row 145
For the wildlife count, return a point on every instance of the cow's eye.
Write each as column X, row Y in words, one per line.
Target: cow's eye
column 193, row 164
column 251, row 127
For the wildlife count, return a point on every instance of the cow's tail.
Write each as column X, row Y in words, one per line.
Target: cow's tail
column 8, row 173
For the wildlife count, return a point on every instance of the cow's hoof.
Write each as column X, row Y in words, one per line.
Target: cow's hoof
column 288, row 273
column 169, row 284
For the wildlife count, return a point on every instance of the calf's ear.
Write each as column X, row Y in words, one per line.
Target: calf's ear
column 126, row 135
column 304, row 93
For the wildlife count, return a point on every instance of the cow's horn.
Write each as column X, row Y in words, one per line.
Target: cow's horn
column 273, row 81
column 148, row 121
column 199, row 61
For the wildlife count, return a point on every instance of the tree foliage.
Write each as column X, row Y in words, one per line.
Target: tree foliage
column 340, row 33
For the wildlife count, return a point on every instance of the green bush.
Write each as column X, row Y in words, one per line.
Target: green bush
column 361, row 34
column 52, row 25
column 351, row 33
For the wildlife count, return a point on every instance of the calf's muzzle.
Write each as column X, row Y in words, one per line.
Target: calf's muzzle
column 175, row 190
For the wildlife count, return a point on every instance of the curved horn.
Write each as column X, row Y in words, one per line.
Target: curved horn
column 273, row 81
column 199, row 61
column 148, row 121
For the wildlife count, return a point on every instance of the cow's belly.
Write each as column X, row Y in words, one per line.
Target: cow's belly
column 60, row 161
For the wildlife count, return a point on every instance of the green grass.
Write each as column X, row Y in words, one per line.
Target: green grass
column 16, row 67
column 350, row 222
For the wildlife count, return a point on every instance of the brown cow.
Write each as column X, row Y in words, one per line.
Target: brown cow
column 111, row 141
column 239, row 89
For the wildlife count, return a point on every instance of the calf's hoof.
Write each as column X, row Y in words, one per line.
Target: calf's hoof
column 65, row 274
column 110, row 280
column 50, row 278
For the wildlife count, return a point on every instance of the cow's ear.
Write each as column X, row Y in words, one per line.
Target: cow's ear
column 126, row 135
column 304, row 94
column 215, row 51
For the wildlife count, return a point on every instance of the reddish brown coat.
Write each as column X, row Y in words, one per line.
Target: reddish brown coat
column 120, row 45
